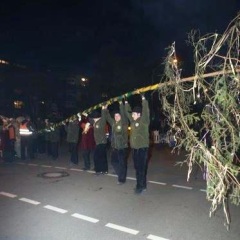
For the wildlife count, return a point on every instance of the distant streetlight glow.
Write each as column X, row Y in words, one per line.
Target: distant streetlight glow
column 84, row 81
column 3, row 62
column 18, row 104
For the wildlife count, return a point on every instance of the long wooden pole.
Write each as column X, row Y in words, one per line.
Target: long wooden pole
column 188, row 79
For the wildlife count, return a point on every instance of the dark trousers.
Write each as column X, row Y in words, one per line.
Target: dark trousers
column 9, row 152
column 140, row 158
column 100, row 158
column 119, row 163
column 86, row 154
column 48, row 147
column 41, row 144
column 54, row 150
column 27, row 146
column 73, row 149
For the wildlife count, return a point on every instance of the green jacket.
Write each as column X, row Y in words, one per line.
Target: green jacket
column 72, row 130
column 99, row 129
column 139, row 135
column 119, row 137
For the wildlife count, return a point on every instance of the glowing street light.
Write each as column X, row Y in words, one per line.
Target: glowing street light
column 84, row 81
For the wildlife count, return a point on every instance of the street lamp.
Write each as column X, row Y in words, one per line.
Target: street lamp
column 84, row 81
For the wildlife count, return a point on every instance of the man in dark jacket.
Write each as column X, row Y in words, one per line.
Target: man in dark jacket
column 72, row 129
column 100, row 153
column 119, row 142
column 139, row 141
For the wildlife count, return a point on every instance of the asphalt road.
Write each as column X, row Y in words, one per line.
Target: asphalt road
column 83, row 206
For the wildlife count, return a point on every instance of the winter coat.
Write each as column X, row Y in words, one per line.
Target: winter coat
column 119, row 136
column 87, row 141
column 139, row 135
column 72, row 130
column 100, row 129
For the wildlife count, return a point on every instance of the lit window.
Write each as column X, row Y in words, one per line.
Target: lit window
column 18, row 104
column 3, row 62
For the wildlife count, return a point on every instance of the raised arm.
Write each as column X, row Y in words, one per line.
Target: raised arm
column 109, row 119
column 122, row 112
column 145, row 111
column 128, row 110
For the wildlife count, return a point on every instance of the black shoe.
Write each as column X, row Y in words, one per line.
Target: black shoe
column 97, row 173
column 138, row 191
column 103, row 173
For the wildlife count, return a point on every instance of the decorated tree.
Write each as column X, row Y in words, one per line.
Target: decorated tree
column 211, row 135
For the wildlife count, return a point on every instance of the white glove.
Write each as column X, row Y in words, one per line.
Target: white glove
column 79, row 117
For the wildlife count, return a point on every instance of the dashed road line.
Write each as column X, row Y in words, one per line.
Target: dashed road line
column 46, row 166
column 83, row 217
column 153, row 237
column 32, row 164
column 8, row 194
column 76, row 169
column 131, row 178
column 61, row 168
column 121, row 228
column 112, row 175
column 27, row 200
column 56, row 209
column 159, row 183
column 180, row 186
column 86, row 218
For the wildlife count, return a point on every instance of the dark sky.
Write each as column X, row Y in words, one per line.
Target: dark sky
column 105, row 36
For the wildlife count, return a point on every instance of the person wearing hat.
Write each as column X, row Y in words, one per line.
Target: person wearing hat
column 100, row 153
column 119, row 142
column 139, row 141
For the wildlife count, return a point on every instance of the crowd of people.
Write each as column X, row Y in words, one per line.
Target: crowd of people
column 21, row 138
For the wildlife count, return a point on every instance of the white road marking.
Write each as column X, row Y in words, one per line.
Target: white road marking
column 121, row 228
column 61, row 167
column 90, row 171
column 112, row 175
column 203, row 190
column 131, row 178
column 47, row 166
column 33, row 164
column 159, row 183
column 185, row 187
column 29, row 201
column 153, row 237
column 8, row 194
column 56, row 209
column 86, row 218
column 76, row 169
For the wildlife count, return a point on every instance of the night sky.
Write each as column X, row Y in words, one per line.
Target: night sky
column 110, row 40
